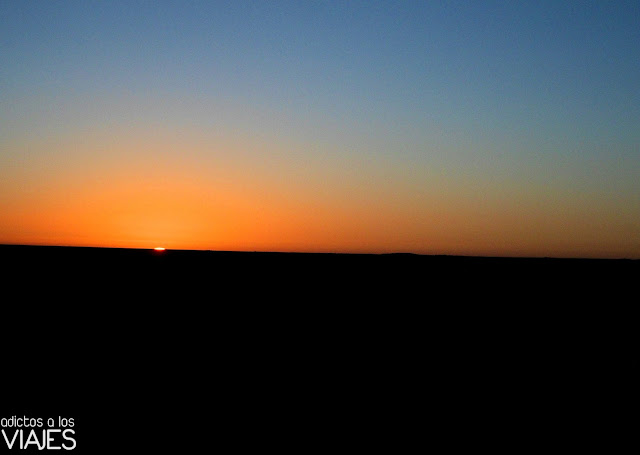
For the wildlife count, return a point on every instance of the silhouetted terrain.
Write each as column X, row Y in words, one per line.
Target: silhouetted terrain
column 268, row 345
column 74, row 270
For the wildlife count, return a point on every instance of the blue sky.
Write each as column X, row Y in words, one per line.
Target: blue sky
column 534, row 99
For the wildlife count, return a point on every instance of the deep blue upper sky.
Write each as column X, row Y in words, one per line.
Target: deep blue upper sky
column 487, row 64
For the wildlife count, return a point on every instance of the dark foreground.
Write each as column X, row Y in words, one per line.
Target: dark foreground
column 185, row 349
column 90, row 274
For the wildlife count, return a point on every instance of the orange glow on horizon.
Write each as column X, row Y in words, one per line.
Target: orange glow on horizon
column 218, row 196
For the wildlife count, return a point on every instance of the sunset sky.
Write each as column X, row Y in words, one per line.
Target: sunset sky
column 507, row 128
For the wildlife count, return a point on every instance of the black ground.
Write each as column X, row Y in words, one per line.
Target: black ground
column 182, row 349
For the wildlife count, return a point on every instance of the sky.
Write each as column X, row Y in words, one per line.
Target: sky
column 501, row 128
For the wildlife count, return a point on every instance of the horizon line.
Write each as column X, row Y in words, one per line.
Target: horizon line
column 406, row 253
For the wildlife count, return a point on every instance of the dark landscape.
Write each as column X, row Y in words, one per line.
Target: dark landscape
column 178, row 295
column 282, row 275
column 277, row 342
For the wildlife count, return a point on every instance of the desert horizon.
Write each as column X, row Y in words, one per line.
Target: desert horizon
column 161, row 249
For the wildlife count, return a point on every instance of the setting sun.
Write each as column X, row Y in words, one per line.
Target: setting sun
column 159, row 248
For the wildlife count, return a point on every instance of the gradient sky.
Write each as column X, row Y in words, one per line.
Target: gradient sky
column 462, row 127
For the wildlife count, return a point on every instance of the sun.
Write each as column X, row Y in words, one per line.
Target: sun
column 159, row 248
